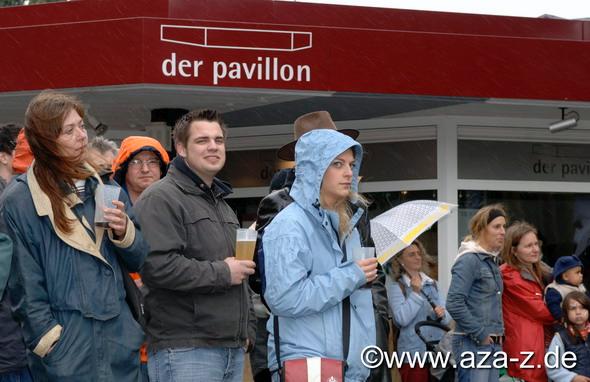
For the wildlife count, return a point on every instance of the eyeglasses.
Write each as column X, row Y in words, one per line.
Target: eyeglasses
column 138, row 163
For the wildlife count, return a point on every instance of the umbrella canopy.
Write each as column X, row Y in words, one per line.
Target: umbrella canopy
column 398, row 227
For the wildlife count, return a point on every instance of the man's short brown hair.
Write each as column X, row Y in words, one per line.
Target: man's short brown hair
column 182, row 127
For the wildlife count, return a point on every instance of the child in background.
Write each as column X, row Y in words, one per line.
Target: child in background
column 572, row 336
column 567, row 277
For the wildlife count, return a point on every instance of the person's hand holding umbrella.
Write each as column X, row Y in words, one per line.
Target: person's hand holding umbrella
column 416, row 285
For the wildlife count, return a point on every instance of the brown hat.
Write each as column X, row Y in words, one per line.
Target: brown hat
column 306, row 123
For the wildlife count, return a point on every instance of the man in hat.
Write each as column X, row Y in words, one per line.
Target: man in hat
column 141, row 162
column 270, row 206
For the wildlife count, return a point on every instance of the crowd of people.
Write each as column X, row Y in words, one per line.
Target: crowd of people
column 148, row 288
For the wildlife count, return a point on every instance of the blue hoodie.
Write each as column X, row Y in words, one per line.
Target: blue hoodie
column 306, row 280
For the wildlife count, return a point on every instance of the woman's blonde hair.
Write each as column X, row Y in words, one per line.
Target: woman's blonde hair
column 481, row 219
column 396, row 269
column 344, row 209
column 514, row 235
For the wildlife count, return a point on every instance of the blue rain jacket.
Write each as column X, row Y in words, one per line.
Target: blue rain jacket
column 67, row 288
column 306, row 280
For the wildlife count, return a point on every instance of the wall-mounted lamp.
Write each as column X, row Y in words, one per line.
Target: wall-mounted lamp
column 99, row 127
column 568, row 120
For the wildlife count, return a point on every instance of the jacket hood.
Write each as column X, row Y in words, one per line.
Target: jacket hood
column 473, row 247
column 23, row 156
column 313, row 154
column 132, row 146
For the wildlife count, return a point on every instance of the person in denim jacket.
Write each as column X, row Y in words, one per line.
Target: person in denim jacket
column 414, row 297
column 475, row 294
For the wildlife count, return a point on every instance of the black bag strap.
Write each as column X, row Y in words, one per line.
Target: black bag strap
column 345, row 327
column 345, row 319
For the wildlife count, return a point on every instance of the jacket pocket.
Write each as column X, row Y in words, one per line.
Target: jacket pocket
column 211, row 234
column 73, row 350
column 59, row 350
column 487, row 281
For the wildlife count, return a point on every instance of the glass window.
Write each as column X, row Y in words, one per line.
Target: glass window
column 523, row 161
column 562, row 219
column 251, row 168
column 410, row 160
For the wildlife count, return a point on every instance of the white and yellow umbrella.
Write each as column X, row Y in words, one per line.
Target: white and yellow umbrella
column 398, row 227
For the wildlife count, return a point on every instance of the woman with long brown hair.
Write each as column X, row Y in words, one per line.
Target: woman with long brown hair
column 525, row 313
column 67, row 281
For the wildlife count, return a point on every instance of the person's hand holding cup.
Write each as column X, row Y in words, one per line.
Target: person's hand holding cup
column 242, row 265
column 109, row 211
column 365, row 258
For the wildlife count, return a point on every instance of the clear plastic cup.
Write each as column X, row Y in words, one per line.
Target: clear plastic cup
column 104, row 196
column 361, row 253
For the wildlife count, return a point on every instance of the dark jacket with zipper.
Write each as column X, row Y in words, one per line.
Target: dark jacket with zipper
column 191, row 230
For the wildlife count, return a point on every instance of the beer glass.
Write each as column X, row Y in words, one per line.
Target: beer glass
column 245, row 243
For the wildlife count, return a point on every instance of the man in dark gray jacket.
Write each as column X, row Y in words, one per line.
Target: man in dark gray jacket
column 199, row 302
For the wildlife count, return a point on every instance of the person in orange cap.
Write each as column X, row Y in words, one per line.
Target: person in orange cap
column 23, row 156
column 141, row 162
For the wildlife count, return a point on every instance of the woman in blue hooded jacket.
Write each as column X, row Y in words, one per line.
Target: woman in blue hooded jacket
column 305, row 245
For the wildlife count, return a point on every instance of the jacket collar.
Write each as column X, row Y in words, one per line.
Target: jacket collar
column 526, row 275
column 425, row 279
column 188, row 181
column 472, row 246
column 79, row 237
